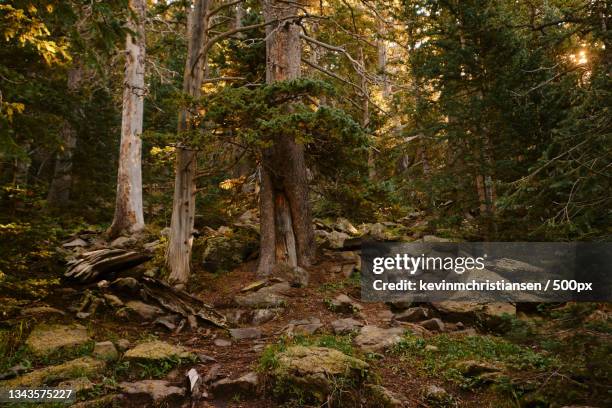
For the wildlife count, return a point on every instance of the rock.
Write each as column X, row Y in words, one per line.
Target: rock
column 399, row 305
column 45, row 339
column 488, row 314
column 78, row 385
column 122, row 242
column 382, row 397
column 245, row 333
column 344, row 304
column 113, row 300
column 281, row 288
column 195, row 384
column 414, row 314
column 77, row 242
column 296, row 276
column 151, row 246
column 222, row 343
column 345, row 326
column 80, row 367
column 261, row 316
column 169, row 321
column 40, row 310
column 105, row 350
column 473, row 368
column 315, row 372
column 376, row 339
column 336, row 239
column 344, row 225
column 156, row 350
column 214, row 374
column 512, row 267
column 144, row 310
column 157, row 390
column 384, row 315
column 239, row 316
column 433, row 238
column 434, row 324
column 245, row 385
column 436, row 394
column 123, row 344
column 204, row 358
column 304, row 326
column 431, row 348
column 261, row 300
column 127, row 283
column 14, row 371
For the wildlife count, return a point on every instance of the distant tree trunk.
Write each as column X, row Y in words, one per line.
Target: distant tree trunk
column 287, row 234
column 365, row 112
column 128, row 207
column 61, row 184
column 178, row 254
column 21, row 167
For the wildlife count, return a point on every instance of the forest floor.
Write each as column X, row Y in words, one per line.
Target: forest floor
column 418, row 355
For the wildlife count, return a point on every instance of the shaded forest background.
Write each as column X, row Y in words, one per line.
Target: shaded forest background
column 271, row 128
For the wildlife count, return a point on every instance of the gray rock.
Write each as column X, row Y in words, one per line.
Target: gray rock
column 157, row 390
column 169, row 321
column 144, row 310
column 204, row 358
column 261, row 316
column 304, row 326
column 434, row 324
column 261, row 300
column 399, row 305
column 473, row 368
column 245, row 385
column 245, row 333
column 105, row 350
column 222, row 343
column 344, row 304
column 77, row 242
column 345, row 326
column 113, row 300
column 214, row 374
column 376, row 339
column 436, row 394
column 414, row 314
column 123, row 344
column 122, row 242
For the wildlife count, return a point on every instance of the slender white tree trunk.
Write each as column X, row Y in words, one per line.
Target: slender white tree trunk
column 178, row 254
column 128, row 207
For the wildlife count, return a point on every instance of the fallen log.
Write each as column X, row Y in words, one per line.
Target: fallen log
column 95, row 265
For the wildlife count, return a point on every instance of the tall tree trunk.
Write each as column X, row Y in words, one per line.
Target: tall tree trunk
column 178, row 254
column 61, row 184
column 128, row 207
column 287, row 234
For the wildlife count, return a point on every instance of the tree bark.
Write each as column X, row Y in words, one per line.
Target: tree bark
column 128, row 206
column 61, row 184
column 178, row 254
column 287, row 235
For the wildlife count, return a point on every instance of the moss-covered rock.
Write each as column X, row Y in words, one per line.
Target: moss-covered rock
column 46, row 339
column 157, row 350
column 315, row 373
column 80, row 367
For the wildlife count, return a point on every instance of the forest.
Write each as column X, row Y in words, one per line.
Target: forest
column 186, row 186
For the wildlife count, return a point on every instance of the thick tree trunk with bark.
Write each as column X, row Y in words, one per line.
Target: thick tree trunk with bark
column 178, row 254
column 128, row 207
column 287, row 234
column 61, row 184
